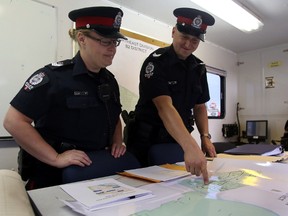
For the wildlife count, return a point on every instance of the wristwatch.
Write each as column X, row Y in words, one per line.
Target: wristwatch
column 208, row 135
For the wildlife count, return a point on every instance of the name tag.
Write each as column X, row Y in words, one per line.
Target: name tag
column 80, row 93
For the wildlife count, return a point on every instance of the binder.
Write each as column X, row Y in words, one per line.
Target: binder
column 256, row 149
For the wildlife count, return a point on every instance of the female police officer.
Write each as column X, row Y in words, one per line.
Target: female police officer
column 74, row 104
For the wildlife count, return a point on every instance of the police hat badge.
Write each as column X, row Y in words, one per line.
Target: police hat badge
column 106, row 21
column 192, row 21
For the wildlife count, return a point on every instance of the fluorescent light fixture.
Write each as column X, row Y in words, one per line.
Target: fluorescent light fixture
column 232, row 13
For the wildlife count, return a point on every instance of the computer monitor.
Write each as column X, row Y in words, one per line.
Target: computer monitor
column 256, row 130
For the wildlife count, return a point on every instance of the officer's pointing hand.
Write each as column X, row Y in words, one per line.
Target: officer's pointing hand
column 196, row 164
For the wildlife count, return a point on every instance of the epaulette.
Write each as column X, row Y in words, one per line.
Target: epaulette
column 59, row 64
column 159, row 52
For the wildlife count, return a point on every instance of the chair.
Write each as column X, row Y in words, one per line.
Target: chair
column 103, row 164
column 284, row 139
column 13, row 199
column 165, row 153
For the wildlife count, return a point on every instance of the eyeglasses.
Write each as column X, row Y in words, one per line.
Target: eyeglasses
column 104, row 42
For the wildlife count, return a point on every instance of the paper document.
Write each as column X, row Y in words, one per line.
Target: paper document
column 156, row 173
column 97, row 194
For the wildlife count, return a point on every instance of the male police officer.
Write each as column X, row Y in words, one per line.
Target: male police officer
column 173, row 82
column 74, row 104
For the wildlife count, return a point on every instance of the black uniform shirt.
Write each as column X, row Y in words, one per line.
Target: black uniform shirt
column 163, row 73
column 63, row 100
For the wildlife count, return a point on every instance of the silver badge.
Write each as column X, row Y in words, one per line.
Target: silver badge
column 197, row 22
column 117, row 21
column 149, row 70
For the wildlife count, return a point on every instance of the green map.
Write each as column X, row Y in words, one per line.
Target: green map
column 196, row 202
column 222, row 182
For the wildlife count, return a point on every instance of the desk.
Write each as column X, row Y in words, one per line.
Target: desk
column 47, row 202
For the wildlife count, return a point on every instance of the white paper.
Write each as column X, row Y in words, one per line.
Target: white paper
column 276, row 151
column 82, row 209
column 100, row 193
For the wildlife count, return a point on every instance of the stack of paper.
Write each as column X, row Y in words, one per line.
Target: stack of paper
column 97, row 194
column 157, row 173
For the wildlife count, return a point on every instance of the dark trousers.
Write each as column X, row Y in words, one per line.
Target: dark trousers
column 103, row 164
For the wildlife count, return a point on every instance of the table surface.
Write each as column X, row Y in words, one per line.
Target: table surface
column 46, row 199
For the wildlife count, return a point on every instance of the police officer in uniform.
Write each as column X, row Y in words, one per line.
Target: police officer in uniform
column 74, row 105
column 173, row 82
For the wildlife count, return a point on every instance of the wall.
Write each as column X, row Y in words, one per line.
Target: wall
column 257, row 101
column 26, row 44
column 8, row 154
column 25, row 53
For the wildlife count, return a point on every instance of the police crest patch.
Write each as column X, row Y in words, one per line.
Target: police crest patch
column 35, row 81
column 149, row 70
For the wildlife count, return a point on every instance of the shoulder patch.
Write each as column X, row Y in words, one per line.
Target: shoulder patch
column 149, row 70
column 60, row 64
column 35, row 81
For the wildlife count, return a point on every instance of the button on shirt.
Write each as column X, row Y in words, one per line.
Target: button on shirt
column 63, row 100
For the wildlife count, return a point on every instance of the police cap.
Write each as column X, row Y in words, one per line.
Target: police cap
column 192, row 21
column 106, row 21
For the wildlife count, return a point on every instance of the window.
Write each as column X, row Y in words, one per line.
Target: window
column 216, row 82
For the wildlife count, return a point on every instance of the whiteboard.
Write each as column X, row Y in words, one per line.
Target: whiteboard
column 28, row 42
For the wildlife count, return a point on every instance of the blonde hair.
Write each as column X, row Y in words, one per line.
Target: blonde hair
column 74, row 32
